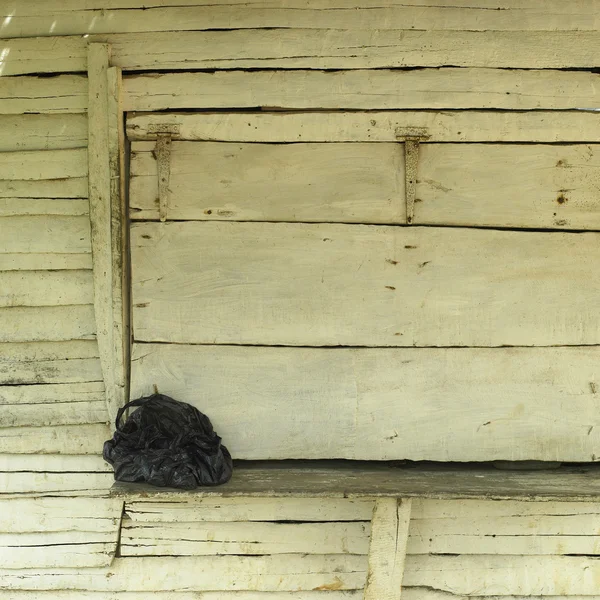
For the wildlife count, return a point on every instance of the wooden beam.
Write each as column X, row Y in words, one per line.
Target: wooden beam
column 106, row 215
column 387, row 550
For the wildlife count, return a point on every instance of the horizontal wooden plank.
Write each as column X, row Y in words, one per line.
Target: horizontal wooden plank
column 453, row 126
column 45, row 234
column 42, row 132
column 448, row 88
column 61, row 439
column 41, row 261
column 59, row 94
column 10, row 207
column 308, row 48
column 71, row 18
column 490, row 396
column 42, row 351
column 43, row 164
column 547, row 186
column 272, row 182
column 57, row 550
column 543, row 186
column 41, row 515
column 480, row 527
column 54, row 371
column 192, row 510
column 315, row 285
column 72, row 187
column 261, row 573
column 48, row 463
column 504, row 575
column 205, row 538
column 46, row 483
column 53, row 393
column 237, row 595
column 47, row 323
column 46, row 288
column 56, row 413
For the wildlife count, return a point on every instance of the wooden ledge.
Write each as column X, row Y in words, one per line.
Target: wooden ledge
column 332, row 479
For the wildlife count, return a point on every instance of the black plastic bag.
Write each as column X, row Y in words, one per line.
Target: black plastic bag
column 168, row 444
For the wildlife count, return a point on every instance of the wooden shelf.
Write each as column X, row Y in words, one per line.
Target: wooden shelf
column 333, row 479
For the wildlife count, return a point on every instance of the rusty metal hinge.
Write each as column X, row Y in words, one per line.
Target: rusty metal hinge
column 411, row 137
column 162, row 153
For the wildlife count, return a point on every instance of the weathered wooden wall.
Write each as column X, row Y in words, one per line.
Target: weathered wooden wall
column 278, row 82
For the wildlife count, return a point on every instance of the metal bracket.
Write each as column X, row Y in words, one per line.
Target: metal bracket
column 411, row 136
column 162, row 153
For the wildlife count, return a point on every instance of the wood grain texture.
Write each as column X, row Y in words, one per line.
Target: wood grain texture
column 240, row 538
column 42, row 132
column 52, row 393
column 59, row 94
column 546, row 186
column 223, row 510
column 47, row 323
column 43, row 164
column 261, row 573
column 308, row 48
column 45, row 288
column 72, row 187
column 237, row 595
column 448, row 88
column 72, row 18
column 61, row 439
column 14, row 207
column 41, row 261
column 271, row 182
column 293, row 284
column 51, row 234
column 55, row 413
column 446, row 126
column 38, row 484
column 387, row 549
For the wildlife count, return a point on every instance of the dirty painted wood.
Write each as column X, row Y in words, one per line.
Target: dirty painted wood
column 486, row 391
column 447, row 126
column 448, row 88
column 387, row 549
column 59, row 94
column 46, row 415
column 519, row 528
column 240, row 538
column 45, row 288
column 505, row 575
column 236, row 595
column 43, row 164
column 41, row 261
column 60, row 439
column 308, row 48
column 42, row 132
column 104, row 194
column 66, row 484
column 200, row 509
column 546, row 186
column 368, row 480
column 15, row 463
column 271, row 182
column 120, row 295
column 287, row 572
column 26, row 19
column 13, row 207
column 72, row 187
column 47, row 234
column 543, row 186
column 43, row 515
column 52, row 393
column 297, row 285
column 48, row 370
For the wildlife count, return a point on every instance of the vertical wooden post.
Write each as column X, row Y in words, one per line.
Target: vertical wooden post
column 387, row 550
column 106, row 218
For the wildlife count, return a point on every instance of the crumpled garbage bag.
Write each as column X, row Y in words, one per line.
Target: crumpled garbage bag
column 167, row 443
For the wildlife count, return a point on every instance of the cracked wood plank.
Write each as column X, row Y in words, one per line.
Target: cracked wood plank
column 26, row 19
column 448, row 88
column 42, row 132
column 387, row 550
column 446, row 126
column 308, row 48
column 279, row 284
